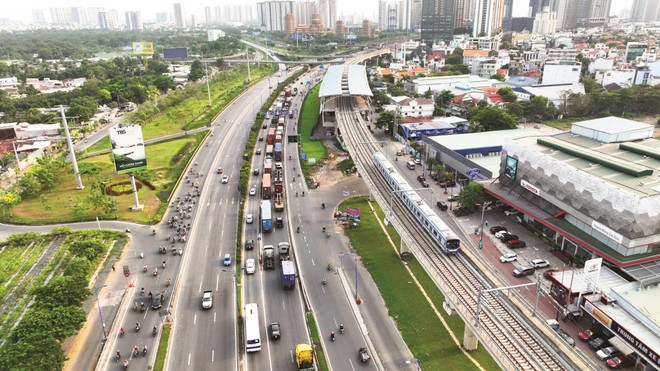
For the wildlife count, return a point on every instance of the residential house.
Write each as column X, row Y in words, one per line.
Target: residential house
column 561, row 72
column 555, row 93
column 485, row 67
column 415, row 107
column 471, row 55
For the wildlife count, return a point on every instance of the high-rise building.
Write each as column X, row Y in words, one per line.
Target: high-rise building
column 270, row 15
column 593, row 13
column 414, row 14
column 332, row 12
column 108, row 20
column 208, row 19
column 289, row 24
column 79, row 16
column 133, row 21
column 217, row 14
column 300, row 12
column 60, row 15
column 391, row 15
column 179, row 18
column 339, row 27
column 645, row 11
column 437, row 20
column 545, row 22
column 461, row 19
column 161, row 17
column 38, row 16
column 366, row 28
column 488, row 17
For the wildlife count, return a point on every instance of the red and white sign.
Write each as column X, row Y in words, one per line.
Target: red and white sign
column 528, row 186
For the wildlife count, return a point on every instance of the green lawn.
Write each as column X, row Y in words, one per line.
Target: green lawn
column 59, row 203
column 309, row 115
column 421, row 329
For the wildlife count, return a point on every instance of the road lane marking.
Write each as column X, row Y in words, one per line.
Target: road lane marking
column 351, row 362
column 217, row 281
column 212, row 355
column 214, row 316
column 195, row 319
column 189, row 359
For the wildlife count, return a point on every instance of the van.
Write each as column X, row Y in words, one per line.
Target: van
column 441, row 205
column 523, row 271
column 410, row 165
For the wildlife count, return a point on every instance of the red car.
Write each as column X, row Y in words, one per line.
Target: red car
column 514, row 244
column 619, row 362
column 497, row 228
column 589, row 334
column 219, row 170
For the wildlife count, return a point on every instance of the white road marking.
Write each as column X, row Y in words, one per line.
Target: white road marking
column 195, row 319
column 212, row 355
column 189, row 359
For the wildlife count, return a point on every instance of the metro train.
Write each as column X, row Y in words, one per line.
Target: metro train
column 446, row 239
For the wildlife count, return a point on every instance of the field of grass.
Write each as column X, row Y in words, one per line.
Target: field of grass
column 309, row 115
column 159, row 364
column 421, row 329
column 63, row 203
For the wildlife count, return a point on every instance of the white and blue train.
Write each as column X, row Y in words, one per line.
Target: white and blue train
column 439, row 231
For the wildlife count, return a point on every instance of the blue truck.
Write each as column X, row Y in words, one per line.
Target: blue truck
column 288, row 274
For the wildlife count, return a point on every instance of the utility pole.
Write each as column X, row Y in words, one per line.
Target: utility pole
column 247, row 53
column 206, row 71
column 76, row 172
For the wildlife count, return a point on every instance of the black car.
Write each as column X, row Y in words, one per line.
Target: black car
column 509, row 237
column 460, row 211
column 157, row 302
column 279, row 222
column 424, row 184
column 249, row 244
column 275, row 330
column 441, row 205
column 258, row 151
column 598, row 343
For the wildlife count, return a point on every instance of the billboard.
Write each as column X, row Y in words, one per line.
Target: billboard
column 143, row 48
column 127, row 148
column 351, row 37
column 510, row 167
column 175, row 53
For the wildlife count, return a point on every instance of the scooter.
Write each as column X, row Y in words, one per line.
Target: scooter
column 137, row 326
column 125, row 364
column 341, row 328
column 325, row 281
column 142, row 255
column 153, row 232
column 145, row 269
column 332, row 336
column 155, row 331
column 329, row 266
column 155, row 272
column 142, row 307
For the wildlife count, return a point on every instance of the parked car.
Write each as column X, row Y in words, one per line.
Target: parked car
column 418, row 161
column 501, row 233
column 511, row 212
column 589, row 334
column 620, row 361
column 275, row 330
column 249, row 244
column 607, row 353
column 523, row 271
column 249, row 266
column 566, row 337
column 227, row 260
column 447, row 183
column 249, row 219
column 514, row 244
column 460, row 211
column 441, row 205
column 225, row 179
column 507, row 258
column 540, row 263
column 452, row 198
column 598, row 343
column 425, row 184
column 497, row 228
column 509, row 237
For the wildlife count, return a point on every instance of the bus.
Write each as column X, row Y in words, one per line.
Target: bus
column 266, row 219
column 252, row 336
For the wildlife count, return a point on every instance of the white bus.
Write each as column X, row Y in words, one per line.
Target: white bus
column 252, row 337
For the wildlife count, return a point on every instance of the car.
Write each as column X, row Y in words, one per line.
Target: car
column 425, row 184
column 441, row 205
column 598, row 343
column 447, row 183
column 275, row 330
column 566, row 337
column 265, row 126
column 501, row 233
column 607, row 353
column 249, row 219
column 589, row 334
column 507, row 258
column 258, row 151
column 452, row 198
column 523, row 271
column 511, row 211
column 540, row 263
column 157, row 302
column 261, row 139
column 497, row 228
column 421, row 178
column 514, row 244
column 253, row 191
column 249, row 244
column 620, row 361
column 249, row 266
column 509, row 237
column 255, row 172
column 227, row 260
column 279, row 222
column 460, row 211
column 219, row 171
column 417, row 161
column 225, row 179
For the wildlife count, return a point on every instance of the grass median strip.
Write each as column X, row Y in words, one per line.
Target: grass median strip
column 422, row 330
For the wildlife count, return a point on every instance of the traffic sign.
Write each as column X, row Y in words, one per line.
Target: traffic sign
column 472, row 172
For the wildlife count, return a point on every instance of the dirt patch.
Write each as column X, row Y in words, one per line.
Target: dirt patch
column 327, row 173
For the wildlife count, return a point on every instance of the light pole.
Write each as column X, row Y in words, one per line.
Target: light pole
column 481, row 229
column 96, row 293
column 355, row 258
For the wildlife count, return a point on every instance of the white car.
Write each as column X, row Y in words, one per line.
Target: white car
column 249, row 219
column 249, row 266
column 227, row 260
column 540, row 263
column 253, row 191
column 225, row 179
column 507, row 258
column 501, row 234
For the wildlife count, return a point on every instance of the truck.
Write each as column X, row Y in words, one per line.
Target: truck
column 271, row 136
column 284, row 250
column 268, row 167
column 265, row 186
column 280, row 122
column 277, row 179
column 287, row 92
column 269, row 150
column 278, row 139
column 279, row 202
column 288, row 274
column 207, row 299
column 269, row 257
column 278, row 152
column 305, row 357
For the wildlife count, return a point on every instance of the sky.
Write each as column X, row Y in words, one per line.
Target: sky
column 23, row 9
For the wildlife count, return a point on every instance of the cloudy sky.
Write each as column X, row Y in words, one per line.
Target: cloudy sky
column 23, row 9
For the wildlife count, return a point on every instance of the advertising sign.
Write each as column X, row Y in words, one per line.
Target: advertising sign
column 592, row 267
column 528, row 186
column 607, row 232
column 175, row 53
column 128, row 148
column 510, row 167
column 143, row 48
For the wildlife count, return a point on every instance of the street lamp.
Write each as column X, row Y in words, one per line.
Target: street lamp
column 355, row 257
column 481, row 229
column 96, row 293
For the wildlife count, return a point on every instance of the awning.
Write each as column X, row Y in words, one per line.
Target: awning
column 621, row 345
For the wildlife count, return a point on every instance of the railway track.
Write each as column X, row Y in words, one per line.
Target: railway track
column 510, row 338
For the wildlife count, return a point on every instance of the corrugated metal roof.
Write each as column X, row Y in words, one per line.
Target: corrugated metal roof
column 480, row 140
column 345, row 80
column 612, row 125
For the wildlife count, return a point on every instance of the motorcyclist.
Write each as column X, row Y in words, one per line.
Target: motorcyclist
column 332, row 335
column 303, row 193
column 169, row 282
column 137, row 326
column 298, row 229
column 118, row 355
column 323, row 205
column 142, row 291
column 155, row 330
column 341, row 328
column 144, row 351
column 136, row 350
column 155, row 271
column 121, row 331
column 323, row 228
column 296, row 193
column 163, row 264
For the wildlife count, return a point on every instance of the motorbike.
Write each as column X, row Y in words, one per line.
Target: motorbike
column 341, row 328
column 323, row 206
column 155, row 272
column 164, row 265
column 145, row 269
column 327, row 234
column 325, row 281
column 121, row 332
column 141, row 255
column 298, row 230
column 180, row 251
column 117, row 356
column 169, row 282
column 136, row 352
column 154, row 331
column 125, row 364
column 332, row 336
column 142, row 307
column 137, row 326
column 329, row 266
column 128, row 230
column 153, row 232
column 144, row 351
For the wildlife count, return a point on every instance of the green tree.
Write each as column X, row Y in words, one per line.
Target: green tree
column 90, row 248
column 493, row 118
column 536, row 107
column 58, row 323
column 387, row 119
column 497, row 77
column 35, row 353
column 83, row 107
column 471, row 196
column 516, row 109
column 196, row 71
column 507, row 94
column 67, row 291
column 453, row 59
column 590, row 84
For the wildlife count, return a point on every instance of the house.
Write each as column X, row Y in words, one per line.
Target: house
column 471, row 55
column 555, row 93
column 24, row 130
column 415, row 107
column 414, row 129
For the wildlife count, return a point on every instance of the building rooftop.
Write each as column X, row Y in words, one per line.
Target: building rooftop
column 612, row 125
column 345, row 80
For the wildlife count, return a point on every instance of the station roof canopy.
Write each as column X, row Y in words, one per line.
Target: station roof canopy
column 345, row 80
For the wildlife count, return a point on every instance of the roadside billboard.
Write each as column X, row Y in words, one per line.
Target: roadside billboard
column 127, row 148
column 175, row 53
column 143, row 48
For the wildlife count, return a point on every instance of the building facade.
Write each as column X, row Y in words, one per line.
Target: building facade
column 561, row 72
column 179, row 17
column 437, row 21
column 271, row 15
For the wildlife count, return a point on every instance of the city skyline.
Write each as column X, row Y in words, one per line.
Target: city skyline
column 368, row 8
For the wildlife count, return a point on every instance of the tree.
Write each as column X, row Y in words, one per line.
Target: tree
column 196, row 71
column 22, row 354
column 83, row 107
column 497, row 77
column 507, row 94
column 537, row 104
column 516, row 109
column 442, row 101
column 387, row 119
column 453, row 59
column 590, row 84
column 493, row 118
column 471, row 196
column 68, row 291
